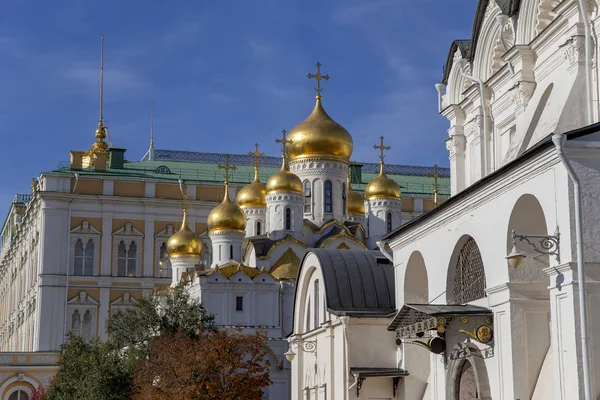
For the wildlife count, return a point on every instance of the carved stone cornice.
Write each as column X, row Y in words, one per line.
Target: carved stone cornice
column 574, row 51
column 456, row 145
column 522, row 93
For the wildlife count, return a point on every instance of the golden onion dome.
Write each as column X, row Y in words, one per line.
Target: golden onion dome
column 227, row 216
column 356, row 203
column 284, row 181
column 319, row 136
column 254, row 194
column 382, row 186
column 185, row 242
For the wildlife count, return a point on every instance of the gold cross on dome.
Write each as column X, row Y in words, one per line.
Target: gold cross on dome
column 436, row 186
column 283, row 141
column 381, row 148
column 318, row 77
column 256, row 155
column 227, row 168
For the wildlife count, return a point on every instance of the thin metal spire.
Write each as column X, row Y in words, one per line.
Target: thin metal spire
column 151, row 125
column 101, row 73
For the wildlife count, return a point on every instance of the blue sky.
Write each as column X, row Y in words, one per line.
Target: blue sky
column 222, row 74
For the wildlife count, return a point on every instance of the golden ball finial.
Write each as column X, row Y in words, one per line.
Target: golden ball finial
column 319, row 136
column 185, row 242
column 284, row 181
column 382, row 186
column 227, row 216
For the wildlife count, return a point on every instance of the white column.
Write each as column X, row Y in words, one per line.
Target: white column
column 105, row 269
column 148, row 247
column 104, row 310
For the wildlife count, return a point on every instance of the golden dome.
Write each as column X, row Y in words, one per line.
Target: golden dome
column 319, row 135
column 254, row 194
column 227, row 216
column 356, row 203
column 185, row 242
column 284, row 181
column 382, row 186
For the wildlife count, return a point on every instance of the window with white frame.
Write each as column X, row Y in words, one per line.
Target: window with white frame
column 328, row 197
column 81, row 317
column 162, row 267
column 307, row 197
column 84, row 250
column 126, row 258
column 19, row 394
column 127, row 251
column 83, row 263
column 81, row 323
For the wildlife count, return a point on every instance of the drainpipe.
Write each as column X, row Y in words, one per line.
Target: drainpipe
column 479, row 82
column 588, row 66
column 67, row 263
column 381, row 244
column 440, row 88
column 559, row 140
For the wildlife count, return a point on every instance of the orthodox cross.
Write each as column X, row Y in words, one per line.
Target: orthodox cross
column 227, row 168
column 318, row 77
column 256, row 155
column 283, row 141
column 381, row 148
column 436, row 186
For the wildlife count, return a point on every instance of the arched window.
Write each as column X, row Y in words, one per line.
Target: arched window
column 469, row 276
column 126, row 260
column 164, row 263
column 84, row 259
column 328, row 204
column 288, row 219
column 220, row 252
column 344, row 205
column 467, row 384
column 258, row 226
column 388, row 222
column 307, row 197
column 231, row 252
column 19, row 394
column 317, row 313
column 82, row 326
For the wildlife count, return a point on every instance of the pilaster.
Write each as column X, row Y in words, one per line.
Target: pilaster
column 148, row 247
column 105, row 266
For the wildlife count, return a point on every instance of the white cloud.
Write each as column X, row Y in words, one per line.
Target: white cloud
column 118, row 79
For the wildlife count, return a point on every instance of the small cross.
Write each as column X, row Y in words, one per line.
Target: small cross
column 256, row 155
column 227, row 167
column 381, row 148
column 283, row 141
column 436, row 186
column 318, row 77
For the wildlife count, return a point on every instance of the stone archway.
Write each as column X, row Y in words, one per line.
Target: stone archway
column 467, row 376
column 417, row 358
column 531, row 344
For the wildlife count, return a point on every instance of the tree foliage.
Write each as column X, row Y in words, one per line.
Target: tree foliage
column 213, row 365
column 96, row 370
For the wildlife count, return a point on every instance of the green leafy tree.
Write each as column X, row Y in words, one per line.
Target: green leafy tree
column 96, row 370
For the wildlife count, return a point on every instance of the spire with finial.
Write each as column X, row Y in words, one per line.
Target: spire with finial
column 436, row 175
column 257, row 155
column 318, row 76
column 284, row 142
column 381, row 149
column 100, row 145
column 227, row 168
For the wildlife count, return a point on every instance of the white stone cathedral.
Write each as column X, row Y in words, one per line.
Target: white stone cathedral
column 493, row 294
column 258, row 241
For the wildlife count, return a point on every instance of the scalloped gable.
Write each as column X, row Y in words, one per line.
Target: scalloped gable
column 468, row 47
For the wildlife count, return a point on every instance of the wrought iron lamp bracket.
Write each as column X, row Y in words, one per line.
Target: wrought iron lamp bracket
column 546, row 244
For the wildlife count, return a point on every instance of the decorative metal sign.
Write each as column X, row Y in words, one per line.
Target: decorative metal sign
column 410, row 331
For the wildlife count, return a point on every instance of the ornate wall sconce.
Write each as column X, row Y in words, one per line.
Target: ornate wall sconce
column 542, row 244
column 309, row 346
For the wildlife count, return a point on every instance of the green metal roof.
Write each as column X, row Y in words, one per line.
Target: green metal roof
column 205, row 172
